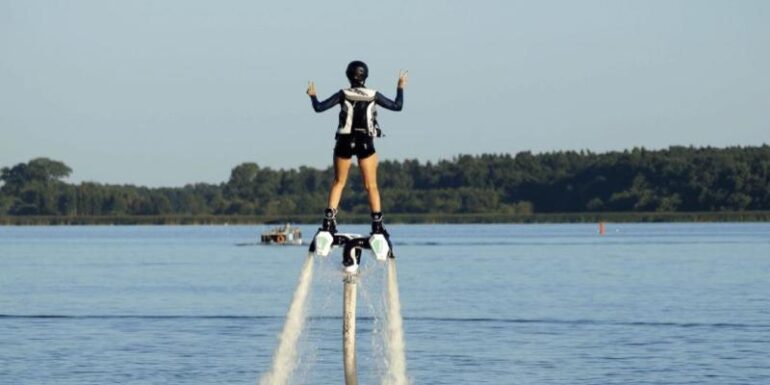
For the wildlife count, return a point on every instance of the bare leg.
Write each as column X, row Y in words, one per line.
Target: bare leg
column 341, row 170
column 369, row 174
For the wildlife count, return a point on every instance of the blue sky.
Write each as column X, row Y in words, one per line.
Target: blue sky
column 164, row 93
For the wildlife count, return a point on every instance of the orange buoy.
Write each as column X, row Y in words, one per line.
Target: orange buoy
column 601, row 228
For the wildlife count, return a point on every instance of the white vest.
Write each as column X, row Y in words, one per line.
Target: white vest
column 358, row 112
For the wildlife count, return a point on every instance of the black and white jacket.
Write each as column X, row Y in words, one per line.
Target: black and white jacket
column 358, row 112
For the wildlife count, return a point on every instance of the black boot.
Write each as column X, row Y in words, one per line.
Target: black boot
column 377, row 227
column 330, row 221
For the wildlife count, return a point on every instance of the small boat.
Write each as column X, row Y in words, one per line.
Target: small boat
column 282, row 235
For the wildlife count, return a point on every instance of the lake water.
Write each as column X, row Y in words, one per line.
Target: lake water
column 489, row 304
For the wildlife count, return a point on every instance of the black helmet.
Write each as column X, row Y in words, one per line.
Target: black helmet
column 352, row 67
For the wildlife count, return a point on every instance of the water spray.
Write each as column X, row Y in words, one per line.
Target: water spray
column 285, row 357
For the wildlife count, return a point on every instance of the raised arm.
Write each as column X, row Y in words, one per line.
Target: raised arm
column 398, row 104
column 393, row 105
column 324, row 105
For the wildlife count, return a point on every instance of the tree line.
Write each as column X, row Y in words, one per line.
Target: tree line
column 676, row 179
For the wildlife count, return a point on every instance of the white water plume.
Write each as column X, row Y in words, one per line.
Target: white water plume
column 285, row 356
column 395, row 373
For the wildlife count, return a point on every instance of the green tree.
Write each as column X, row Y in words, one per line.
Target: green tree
column 34, row 186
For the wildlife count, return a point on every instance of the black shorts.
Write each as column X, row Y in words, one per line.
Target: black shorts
column 362, row 146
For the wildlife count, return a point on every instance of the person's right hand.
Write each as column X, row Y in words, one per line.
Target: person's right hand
column 403, row 76
column 311, row 89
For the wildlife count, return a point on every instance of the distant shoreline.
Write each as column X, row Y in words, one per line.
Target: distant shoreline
column 620, row 217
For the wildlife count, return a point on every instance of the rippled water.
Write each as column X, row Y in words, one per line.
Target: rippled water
column 496, row 304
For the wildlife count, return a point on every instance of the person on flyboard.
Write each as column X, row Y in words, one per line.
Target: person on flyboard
column 355, row 136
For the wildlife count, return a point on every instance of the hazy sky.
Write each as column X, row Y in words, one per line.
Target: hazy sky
column 164, row 93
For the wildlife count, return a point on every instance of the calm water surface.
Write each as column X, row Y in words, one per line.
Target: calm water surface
column 491, row 304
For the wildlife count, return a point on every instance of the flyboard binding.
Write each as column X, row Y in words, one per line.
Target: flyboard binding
column 352, row 244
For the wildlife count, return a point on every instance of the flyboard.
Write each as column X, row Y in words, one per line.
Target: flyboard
column 352, row 245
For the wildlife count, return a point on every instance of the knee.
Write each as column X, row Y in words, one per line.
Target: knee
column 371, row 187
column 338, row 181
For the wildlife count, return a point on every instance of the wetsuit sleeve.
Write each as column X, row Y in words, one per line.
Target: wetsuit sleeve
column 326, row 104
column 394, row 105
